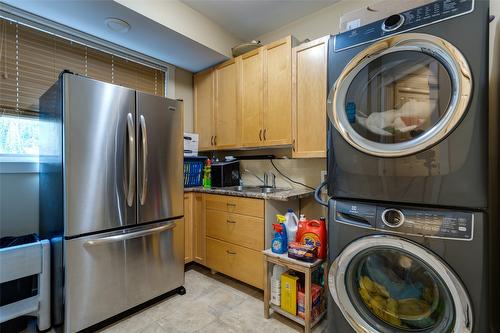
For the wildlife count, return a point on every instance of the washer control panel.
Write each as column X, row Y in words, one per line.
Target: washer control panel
column 435, row 223
column 406, row 21
column 428, row 222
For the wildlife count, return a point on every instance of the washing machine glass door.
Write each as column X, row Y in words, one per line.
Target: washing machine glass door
column 387, row 284
column 401, row 95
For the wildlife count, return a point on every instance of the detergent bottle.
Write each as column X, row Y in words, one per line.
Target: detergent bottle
column 291, row 223
column 313, row 232
column 280, row 243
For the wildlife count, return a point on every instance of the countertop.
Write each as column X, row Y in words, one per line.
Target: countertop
column 291, row 194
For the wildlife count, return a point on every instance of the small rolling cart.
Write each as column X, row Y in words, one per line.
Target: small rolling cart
column 271, row 259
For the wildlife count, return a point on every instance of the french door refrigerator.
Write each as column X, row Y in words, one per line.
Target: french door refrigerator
column 111, row 198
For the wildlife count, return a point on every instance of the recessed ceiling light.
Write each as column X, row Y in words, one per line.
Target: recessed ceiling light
column 116, row 24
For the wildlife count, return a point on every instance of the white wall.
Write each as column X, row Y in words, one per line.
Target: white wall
column 186, row 21
column 184, row 90
column 319, row 24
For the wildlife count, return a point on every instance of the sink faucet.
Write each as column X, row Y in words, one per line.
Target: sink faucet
column 264, row 181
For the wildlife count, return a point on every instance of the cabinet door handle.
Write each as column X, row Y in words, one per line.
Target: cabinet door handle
column 265, row 129
column 260, row 134
column 212, row 140
column 215, row 140
column 231, row 253
column 231, row 204
column 293, row 145
column 229, row 221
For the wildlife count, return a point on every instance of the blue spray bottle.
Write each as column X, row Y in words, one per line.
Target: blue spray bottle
column 280, row 241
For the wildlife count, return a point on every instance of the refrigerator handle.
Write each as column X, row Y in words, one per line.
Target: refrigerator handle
column 131, row 160
column 126, row 236
column 144, row 132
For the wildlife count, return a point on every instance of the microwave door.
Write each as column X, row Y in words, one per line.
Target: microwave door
column 99, row 155
column 159, row 133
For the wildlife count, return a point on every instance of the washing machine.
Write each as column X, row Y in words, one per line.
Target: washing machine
column 400, row 269
column 408, row 107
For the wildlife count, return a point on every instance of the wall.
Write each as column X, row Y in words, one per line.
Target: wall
column 18, row 203
column 185, row 20
column 321, row 23
column 184, row 90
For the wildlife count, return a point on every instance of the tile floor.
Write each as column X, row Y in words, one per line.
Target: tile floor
column 212, row 303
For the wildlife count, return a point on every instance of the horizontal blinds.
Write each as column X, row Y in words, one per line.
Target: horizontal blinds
column 31, row 60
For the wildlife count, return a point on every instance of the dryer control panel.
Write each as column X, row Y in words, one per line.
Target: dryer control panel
column 434, row 223
column 403, row 22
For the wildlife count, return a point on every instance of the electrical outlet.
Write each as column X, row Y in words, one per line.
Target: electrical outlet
column 323, row 175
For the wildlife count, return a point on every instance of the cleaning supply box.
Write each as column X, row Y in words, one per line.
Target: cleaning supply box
column 289, row 285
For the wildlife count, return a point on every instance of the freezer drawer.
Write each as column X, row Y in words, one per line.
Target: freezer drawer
column 109, row 273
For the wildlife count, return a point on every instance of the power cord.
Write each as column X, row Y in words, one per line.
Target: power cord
column 290, row 179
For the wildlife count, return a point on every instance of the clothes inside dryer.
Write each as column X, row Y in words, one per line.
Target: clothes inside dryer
column 398, row 96
column 400, row 290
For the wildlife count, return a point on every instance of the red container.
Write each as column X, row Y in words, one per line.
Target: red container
column 313, row 232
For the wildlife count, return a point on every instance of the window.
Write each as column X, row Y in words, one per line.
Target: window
column 31, row 61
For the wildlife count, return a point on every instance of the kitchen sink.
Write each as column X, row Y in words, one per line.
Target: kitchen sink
column 255, row 189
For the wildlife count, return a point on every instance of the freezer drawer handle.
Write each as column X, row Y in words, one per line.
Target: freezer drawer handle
column 131, row 160
column 144, row 132
column 131, row 235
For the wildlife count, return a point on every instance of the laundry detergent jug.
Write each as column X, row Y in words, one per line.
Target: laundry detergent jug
column 313, row 232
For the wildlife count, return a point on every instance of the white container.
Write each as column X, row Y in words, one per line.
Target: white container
column 276, row 284
column 291, row 224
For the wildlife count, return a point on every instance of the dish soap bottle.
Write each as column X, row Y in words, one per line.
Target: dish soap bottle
column 280, row 243
column 207, row 175
column 291, row 224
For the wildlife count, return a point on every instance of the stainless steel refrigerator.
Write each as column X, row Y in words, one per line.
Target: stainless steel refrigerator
column 111, row 198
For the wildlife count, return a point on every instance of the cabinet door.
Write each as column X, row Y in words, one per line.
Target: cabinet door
column 198, row 208
column 251, row 78
column 204, row 100
column 226, row 105
column 309, row 89
column 188, row 228
column 278, row 93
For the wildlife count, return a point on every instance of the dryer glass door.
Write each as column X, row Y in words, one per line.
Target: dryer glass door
column 388, row 284
column 401, row 95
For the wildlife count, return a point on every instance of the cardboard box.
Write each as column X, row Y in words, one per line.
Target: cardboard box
column 289, row 285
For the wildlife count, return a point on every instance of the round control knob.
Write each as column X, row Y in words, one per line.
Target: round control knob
column 393, row 217
column 393, row 22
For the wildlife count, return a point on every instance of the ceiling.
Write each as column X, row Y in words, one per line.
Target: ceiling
column 248, row 19
column 145, row 36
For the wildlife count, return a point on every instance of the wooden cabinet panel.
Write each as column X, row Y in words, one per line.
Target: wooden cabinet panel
column 237, row 205
column 199, row 230
column 309, row 93
column 278, row 93
column 236, row 261
column 251, row 78
column 204, row 100
column 243, row 230
column 188, row 228
column 226, row 105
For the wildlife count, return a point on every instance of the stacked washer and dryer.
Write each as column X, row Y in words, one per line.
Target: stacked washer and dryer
column 408, row 163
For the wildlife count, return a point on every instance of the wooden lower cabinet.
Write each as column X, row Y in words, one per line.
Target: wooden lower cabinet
column 194, row 228
column 237, row 261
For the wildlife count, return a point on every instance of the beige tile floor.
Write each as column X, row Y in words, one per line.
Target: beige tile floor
column 212, row 303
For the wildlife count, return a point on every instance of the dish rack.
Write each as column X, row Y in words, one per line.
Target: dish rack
column 26, row 260
column 193, row 170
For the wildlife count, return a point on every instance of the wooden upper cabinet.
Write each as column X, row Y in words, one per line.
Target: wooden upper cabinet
column 204, row 93
column 251, row 79
column 226, row 105
column 309, row 94
column 278, row 93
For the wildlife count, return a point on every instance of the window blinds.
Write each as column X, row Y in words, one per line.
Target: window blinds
column 31, row 60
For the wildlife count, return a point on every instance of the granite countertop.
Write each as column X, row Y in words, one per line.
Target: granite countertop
column 291, row 194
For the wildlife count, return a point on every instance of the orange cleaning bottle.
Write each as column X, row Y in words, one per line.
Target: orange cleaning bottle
column 313, row 232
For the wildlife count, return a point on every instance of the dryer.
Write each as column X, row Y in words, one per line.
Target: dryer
column 402, row 269
column 408, row 107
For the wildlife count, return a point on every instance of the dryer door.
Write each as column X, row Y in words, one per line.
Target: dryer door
column 401, row 95
column 390, row 285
